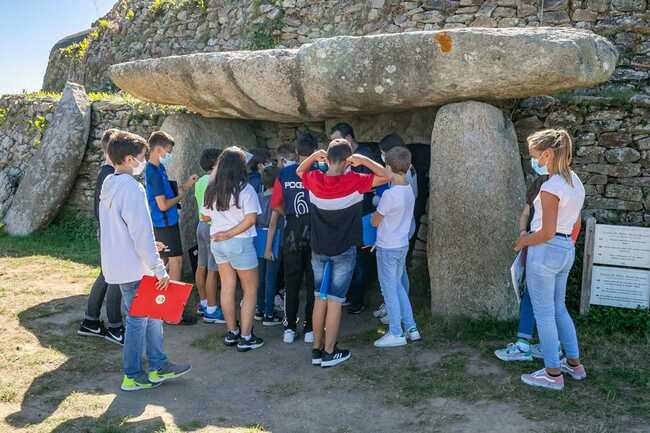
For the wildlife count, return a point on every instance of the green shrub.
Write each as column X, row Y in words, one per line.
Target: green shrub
column 159, row 6
column 4, row 113
column 78, row 50
column 262, row 36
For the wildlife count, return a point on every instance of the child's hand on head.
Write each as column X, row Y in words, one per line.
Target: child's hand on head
column 320, row 155
column 356, row 160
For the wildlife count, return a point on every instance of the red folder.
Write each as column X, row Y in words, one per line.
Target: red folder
column 165, row 305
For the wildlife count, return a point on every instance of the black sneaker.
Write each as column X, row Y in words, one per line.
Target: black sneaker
column 272, row 321
column 259, row 315
column 356, row 309
column 91, row 328
column 252, row 343
column 316, row 356
column 231, row 338
column 115, row 335
column 335, row 358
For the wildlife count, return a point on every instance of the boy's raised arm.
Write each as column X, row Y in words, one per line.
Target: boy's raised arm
column 380, row 172
column 319, row 155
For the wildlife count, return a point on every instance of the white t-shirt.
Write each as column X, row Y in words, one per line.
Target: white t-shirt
column 571, row 201
column 225, row 220
column 396, row 205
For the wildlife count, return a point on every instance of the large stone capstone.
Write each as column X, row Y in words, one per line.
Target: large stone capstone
column 53, row 168
column 477, row 193
column 345, row 75
column 193, row 134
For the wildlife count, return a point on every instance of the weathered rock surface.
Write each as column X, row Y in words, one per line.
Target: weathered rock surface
column 53, row 168
column 477, row 190
column 192, row 134
column 371, row 74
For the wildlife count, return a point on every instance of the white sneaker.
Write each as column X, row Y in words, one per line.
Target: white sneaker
column 389, row 340
column 413, row 334
column 380, row 312
column 289, row 336
column 309, row 337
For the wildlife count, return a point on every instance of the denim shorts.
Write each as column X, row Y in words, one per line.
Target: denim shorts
column 205, row 257
column 239, row 252
column 342, row 270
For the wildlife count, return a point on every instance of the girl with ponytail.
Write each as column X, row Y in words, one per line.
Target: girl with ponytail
column 551, row 254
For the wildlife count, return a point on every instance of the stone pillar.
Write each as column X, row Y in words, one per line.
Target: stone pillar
column 477, row 193
column 53, row 169
column 192, row 134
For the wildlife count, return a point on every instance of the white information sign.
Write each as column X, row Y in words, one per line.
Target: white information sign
column 622, row 246
column 619, row 287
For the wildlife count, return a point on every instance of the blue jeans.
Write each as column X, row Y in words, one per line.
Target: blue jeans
column 342, row 269
column 393, row 279
column 526, row 317
column 140, row 331
column 547, row 272
column 268, row 277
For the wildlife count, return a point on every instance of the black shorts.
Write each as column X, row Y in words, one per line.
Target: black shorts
column 170, row 236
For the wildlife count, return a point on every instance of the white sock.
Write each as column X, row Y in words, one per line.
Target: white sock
column 246, row 337
column 204, row 303
column 211, row 310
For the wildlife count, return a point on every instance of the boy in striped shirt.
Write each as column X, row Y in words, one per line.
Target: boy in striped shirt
column 335, row 209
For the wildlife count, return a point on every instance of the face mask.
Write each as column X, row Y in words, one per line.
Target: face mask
column 383, row 157
column 537, row 167
column 288, row 162
column 322, row 166
column 137, row 170
column 165, row 160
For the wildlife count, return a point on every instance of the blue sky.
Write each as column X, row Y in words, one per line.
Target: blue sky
column 29, row 30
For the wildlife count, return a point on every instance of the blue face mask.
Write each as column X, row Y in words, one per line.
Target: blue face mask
column 165, row 160
column 538, row 168
column 322, row 166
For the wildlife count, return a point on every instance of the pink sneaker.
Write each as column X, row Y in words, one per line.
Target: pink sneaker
column 542, row 379
column 577, row 373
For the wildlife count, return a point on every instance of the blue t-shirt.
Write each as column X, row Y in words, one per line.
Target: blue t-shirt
column 255, row 179
column 157, row 183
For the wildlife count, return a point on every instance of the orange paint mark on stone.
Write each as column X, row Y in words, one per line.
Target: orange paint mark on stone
column 444, row 40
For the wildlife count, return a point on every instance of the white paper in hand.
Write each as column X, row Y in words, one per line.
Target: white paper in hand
column 517, row 275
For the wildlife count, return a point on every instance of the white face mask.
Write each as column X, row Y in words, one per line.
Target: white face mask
column 137, row 170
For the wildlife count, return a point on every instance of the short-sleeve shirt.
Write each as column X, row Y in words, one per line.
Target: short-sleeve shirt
column 571, row 200
column 225, row 220
column 335, row 209
column 396, row 206
column 288, row 192
column 199, row 191
column 157, row 184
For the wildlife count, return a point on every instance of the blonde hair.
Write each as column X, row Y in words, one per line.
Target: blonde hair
column 560, row 143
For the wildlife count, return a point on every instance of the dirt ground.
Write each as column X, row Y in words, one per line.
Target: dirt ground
column 52, row 380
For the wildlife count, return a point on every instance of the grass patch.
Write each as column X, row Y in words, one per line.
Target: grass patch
column 615, row 395
column 70, row 236
column 212, row 343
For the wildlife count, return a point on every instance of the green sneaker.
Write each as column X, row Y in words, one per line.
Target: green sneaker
column 137, row 384
column 169, row 371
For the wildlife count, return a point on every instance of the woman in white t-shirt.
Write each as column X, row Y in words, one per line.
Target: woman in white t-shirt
column 550, row 257
column 232, row 205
